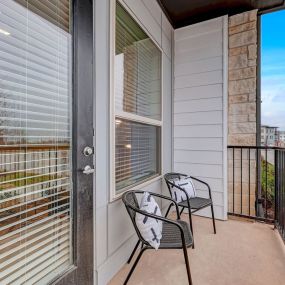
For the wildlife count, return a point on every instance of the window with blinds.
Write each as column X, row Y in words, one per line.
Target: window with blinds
column 137, row 106
column 35, row 140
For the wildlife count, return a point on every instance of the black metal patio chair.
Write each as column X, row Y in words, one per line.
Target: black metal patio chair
column 176, row 234
column 192, row 204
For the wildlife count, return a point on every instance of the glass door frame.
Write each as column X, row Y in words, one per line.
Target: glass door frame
column 82, row 270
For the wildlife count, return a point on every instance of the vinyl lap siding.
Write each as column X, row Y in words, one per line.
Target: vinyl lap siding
column 198, row 119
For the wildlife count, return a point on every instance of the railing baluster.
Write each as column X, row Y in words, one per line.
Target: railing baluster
column 282, row 199
column 256, row 180
column 233, row 180
column 241, row 181
column 280, row 192
column 275, row 184
column 249, row 181
column 266, row 170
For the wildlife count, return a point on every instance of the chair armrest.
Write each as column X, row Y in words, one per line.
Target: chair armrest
column 169, row 199
column 163, row 219
column 203, row 182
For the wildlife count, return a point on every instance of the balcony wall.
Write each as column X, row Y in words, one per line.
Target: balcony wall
column 200, row 106
column 114, row 235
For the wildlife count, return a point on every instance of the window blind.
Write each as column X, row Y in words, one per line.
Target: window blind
column 137, row 69
column 137, row 152
column 137, row 76
column 35, row 141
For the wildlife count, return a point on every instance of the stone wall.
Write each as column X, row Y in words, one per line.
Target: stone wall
column 242, row 111
column 242, row 78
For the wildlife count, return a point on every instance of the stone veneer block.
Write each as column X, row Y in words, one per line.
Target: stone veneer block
column 251, row 62
column 242, row 39
column 242, row 108
column 242, row 73
column 242, row 28
column 242, row 86
column 238, row 118
column 238, row 98
column 252, row 15
column 243, row 128
column 238, row 61
column 242, row 139
column 252, row 98
column 238, row 19
column 252, row 51
column 238, row 50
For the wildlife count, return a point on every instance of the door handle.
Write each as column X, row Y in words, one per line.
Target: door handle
column 88, row 170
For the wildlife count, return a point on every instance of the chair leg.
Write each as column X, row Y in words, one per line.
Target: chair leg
column 191, row 226
column 134, row 265
column 167, row 212
column 182, row 210
column 213, row 218
column 187, row 264
column 133, row 252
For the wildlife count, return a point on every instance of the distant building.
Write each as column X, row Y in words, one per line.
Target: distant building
column 281, row 135
column 269, row 135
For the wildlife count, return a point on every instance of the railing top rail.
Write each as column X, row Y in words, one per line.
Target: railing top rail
column 256, row 147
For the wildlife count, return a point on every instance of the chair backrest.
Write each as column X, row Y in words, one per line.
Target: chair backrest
column 170, row 177
column 131, row 203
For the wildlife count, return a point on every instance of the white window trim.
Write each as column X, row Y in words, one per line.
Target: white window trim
column 113, row 196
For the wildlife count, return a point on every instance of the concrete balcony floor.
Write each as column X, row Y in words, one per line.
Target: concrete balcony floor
column 241, row 253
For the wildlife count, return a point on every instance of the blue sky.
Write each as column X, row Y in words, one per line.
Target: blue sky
column 273, row 69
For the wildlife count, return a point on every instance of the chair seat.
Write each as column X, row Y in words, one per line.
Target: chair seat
column 196, row 203
column 171, row 236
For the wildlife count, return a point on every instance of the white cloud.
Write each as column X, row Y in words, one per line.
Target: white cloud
column 273, row 88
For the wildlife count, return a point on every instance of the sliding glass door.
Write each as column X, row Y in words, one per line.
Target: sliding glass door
column 40, row 203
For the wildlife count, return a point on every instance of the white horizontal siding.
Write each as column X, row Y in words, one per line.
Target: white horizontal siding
column 198, row 92
column 205, row 144
column 202, row 105
column 199, row 54
column 198, row 119
column 198, row 79
column 203, row 65
column 206, row 27
column 187, row 119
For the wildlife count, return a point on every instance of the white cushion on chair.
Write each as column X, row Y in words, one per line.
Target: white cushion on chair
column 186, row 184
column 150, row 228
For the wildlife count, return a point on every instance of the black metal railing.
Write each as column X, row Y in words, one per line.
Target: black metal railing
column 280, row 191
column 256, row 183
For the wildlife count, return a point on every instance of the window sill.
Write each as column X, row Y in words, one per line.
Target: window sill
column 136, row 187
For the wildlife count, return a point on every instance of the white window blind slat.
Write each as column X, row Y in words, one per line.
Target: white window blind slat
column 42, row 213
column 36, row 168
column 27, row 193
column 28, row 226
column 35, row 67
column 33, row 114
column 34, row 200
column 30, row 177
column 45, row 256
column 19, row 253
column 41, row 229
column 46, row 273
column 37, row 207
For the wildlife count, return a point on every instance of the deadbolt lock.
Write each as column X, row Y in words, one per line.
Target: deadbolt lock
column 88, row 151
